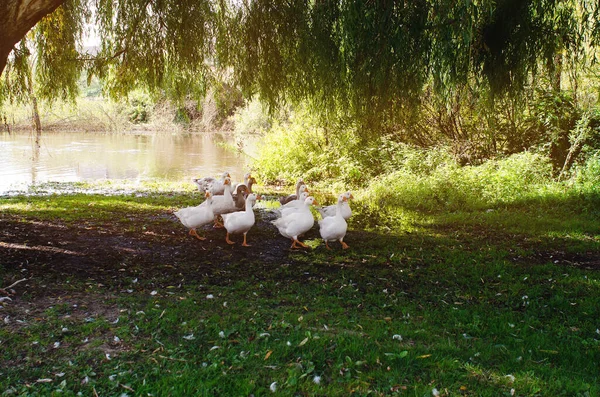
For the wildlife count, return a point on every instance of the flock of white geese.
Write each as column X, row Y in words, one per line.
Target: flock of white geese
column 235, row 206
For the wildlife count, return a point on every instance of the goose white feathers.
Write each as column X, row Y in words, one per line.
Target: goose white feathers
column 223, row 204
column 334, row 227
column 331, row 210
column 195, row 217
column 293, row 205
column 214, row 185
column 240, row 221
column 296, row 223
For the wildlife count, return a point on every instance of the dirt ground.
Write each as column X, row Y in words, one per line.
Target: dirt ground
column 50, row 254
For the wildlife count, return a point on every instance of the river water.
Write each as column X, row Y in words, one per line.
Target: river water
column 26, row 160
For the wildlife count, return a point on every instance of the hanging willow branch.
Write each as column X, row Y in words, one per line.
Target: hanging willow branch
column 366, row 59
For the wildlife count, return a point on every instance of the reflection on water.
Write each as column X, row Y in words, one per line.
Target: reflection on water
column 26, row 159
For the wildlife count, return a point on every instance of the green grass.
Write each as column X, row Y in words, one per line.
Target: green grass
column 471, row 303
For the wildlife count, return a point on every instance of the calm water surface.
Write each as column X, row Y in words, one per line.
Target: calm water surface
column 84, row 156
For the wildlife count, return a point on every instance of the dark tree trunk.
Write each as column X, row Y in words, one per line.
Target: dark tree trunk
column 560, row 145
column 17, row 17
column 35, row 115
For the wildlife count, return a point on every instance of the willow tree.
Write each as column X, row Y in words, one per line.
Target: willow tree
column 369, row 59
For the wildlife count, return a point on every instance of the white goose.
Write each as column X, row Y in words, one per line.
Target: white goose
column 331, row 210
column 293, row 205
column 334, row 227
column 195, row 217
column 223, row 204
column 216, row 186
column 296, row 223
column 240, row 221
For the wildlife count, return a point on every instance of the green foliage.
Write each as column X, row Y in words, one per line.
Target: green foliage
column 251, row 119
column 46, row 65
column 287, row 151
column 373, row 60
column 90, row 88
column 16, row 79
column 554, row 115
column 369, row 60
column 436, row 186
column 156, row 45
column 587, row 175
column 301, row 147
column 226, row 99
column 137, row 107
column 58, row 65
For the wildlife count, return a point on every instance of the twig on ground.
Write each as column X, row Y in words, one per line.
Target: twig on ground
column 6, row 291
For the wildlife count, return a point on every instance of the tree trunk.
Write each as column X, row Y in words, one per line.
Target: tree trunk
column 35, row 115
column 17, row 17
column 560, row 145
column 35, row 112
column 585, row 133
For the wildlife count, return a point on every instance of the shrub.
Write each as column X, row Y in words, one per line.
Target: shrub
column 300, row 147
column 251, row 119
column 447, row 186
column 587, row 175
column 137, row 107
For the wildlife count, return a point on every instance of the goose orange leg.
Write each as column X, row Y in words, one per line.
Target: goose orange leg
column 194, row 233
column 344, row 245
column 302, row 245
column 227, row 240
column 245, row 244
column 218, row 224
column 327, row 245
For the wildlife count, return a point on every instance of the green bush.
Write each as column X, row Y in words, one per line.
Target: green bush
column 300, row 147
column 388, row 176
column 587, row 175
column 430, row 185
column 251, row 119
column 137, row 107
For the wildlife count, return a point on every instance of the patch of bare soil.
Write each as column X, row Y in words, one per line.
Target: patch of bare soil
column 59, row 260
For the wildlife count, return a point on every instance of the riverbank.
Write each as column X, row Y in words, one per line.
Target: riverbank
column 137, row 114
column 117, row 298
